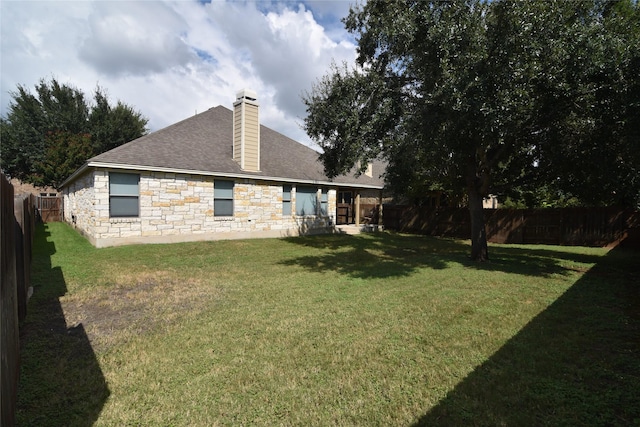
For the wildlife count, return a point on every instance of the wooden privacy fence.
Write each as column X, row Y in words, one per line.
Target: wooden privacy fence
column 17, row 227
column 49, row 208
column 561, row 226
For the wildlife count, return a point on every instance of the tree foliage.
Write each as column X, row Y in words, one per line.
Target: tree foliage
column 479, row 97
column 65, row 152
column 49, row 134
column 112, row 126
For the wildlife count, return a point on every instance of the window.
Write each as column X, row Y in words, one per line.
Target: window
column 344, row 197
column 286, row 200
column 223, row 198
column 306, row 200
column 324, row 202
column 123, row 194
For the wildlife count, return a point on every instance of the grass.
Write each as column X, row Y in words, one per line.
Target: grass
column 380, row 329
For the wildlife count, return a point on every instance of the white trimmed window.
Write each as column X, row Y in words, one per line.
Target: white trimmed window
column 306, row 200
column 286, row 200
column 124, row 193
column 223, row 198
column 324, row 202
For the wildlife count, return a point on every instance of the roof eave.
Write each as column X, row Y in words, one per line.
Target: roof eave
column 147, row 168
column 74, row 175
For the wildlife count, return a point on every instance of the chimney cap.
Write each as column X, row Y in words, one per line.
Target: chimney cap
column 248, row 94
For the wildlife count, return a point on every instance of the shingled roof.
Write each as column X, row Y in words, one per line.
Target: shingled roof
column 202, row 144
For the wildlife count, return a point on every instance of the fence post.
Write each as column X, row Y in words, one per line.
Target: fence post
column 9, row 339
column 23, row 252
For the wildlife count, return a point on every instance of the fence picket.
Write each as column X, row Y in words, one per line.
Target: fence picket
column 17, row 227
column 559, row 226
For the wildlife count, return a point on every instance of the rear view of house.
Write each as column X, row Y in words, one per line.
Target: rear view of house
column 216, row 175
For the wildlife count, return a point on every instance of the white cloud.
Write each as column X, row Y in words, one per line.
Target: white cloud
column 287, row 49
column 37, row 41
column 122, row 40
column 171, row 59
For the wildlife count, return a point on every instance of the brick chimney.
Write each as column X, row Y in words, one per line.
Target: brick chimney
column 246, row 131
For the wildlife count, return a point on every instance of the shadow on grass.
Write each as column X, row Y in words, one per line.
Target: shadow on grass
column 61, row 383
column 376, row 255
column 576, row 363
column 384, row 255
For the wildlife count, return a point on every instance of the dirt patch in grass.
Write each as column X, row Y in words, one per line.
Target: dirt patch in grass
column 135, row 305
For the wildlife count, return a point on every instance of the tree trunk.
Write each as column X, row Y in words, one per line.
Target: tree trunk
column 477, row 185
column 479, row 248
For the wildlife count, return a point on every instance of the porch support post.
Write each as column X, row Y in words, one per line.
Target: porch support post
column 380, row 222
column 358, row 209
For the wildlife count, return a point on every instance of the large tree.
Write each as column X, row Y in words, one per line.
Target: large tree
column 474, row 96
column 65, row 152
column 113, row 125
column 49, row 134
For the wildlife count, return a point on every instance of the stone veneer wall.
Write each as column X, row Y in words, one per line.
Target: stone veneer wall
column 78, row 204
column 179, row 207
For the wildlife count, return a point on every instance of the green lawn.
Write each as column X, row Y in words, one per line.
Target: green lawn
column 377, row 329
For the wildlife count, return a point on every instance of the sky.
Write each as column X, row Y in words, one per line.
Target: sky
column 172, row 59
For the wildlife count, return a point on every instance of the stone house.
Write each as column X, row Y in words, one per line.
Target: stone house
column 216, row 175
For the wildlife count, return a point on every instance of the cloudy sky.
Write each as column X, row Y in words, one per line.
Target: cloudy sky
column 170, row 60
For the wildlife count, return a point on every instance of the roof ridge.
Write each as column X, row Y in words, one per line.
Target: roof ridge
column 204, row 142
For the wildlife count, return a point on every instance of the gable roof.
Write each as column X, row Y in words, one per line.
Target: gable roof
column 202, row 145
